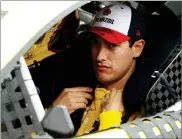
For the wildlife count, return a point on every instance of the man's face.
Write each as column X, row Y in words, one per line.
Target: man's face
column 111, row 62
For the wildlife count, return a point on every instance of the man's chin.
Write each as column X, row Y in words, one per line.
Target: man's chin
column 103, row 80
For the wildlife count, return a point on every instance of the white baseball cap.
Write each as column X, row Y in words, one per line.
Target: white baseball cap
column 118, row 23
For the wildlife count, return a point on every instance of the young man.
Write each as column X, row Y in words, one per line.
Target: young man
column 116, row 41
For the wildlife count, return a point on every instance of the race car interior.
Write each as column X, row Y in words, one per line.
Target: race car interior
column 73, row 65
column 63, row 59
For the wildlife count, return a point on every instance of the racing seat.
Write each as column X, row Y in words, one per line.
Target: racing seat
column 168, row 88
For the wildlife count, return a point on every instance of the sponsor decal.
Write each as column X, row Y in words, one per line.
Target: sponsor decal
column 106, row 20
column 106, row 12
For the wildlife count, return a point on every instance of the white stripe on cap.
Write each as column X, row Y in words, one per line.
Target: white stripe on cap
column 118, row 19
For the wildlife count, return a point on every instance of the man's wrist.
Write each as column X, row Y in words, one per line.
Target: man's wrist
column 112, row 109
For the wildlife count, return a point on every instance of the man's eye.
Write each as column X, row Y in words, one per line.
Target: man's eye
column 94, row 42
column 111, row 45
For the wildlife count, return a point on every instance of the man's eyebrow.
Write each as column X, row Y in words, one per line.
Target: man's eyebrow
column 110, row 43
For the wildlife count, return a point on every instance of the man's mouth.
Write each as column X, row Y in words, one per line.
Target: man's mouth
column 102, row 67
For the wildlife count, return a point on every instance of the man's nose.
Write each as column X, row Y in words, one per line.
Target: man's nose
column 102, row 53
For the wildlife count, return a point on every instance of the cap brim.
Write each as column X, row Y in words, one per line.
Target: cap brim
column 109, row 35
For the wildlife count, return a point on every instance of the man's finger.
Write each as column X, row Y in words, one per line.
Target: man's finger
column 79, row 106
column 80, row 100
column 88, row 96
column 113, row 92
column 107, row 96
column 82, row 94
column 105, row 99
column 78, row 89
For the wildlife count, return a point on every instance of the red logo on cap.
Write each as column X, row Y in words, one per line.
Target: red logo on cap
column 106, row 12
column 138, row 33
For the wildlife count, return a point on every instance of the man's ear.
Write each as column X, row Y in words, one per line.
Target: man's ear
column 138, row 47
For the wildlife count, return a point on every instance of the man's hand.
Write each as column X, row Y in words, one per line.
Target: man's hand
column 113, row 101
column 74, row 98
